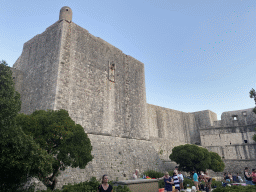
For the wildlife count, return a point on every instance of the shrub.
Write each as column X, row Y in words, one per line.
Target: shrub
column 153, row 174
column 156, row 174
column 161, row 184
column 216, row 184
column 189, row 182
column 236, row 189
column 121, row 189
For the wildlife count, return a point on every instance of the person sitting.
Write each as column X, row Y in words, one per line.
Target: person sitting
column 135, row 175
column 226, row 178
column 239, row 178
column 248, row 178
column 230, row 177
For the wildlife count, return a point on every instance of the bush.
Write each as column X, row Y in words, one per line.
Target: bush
column 216, row 184
column 189, row 182
column 121, row 189
column 161, row 184
column 153, row 174
column 156, row 174
column 236, row 189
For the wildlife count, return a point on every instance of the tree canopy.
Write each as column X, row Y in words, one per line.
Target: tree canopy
column 10, row 103
column 20, row 156
column 252, row 95
column 191, row 157
column 58, row 134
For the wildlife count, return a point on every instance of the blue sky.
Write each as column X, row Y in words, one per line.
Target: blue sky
column 198, row 54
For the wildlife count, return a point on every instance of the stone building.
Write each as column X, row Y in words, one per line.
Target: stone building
column 103, row 89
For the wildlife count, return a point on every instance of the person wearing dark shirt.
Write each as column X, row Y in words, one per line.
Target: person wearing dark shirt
column 167, row 181
column 247, row 175
column 105, row 187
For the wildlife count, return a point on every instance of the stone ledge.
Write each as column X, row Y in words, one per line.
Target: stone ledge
column 242, row 144
column 228, row 127
column 109, row 135
column 138, row 181
column 239, row 159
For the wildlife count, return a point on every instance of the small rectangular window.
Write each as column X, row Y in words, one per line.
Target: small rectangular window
column 245, row 141
column 234, row 117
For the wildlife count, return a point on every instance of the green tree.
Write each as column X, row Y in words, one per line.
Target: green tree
column 217, row 164
column 58, row 134
column 191, row 157
column 10, row 103
column 20, row 156
column 253, row 95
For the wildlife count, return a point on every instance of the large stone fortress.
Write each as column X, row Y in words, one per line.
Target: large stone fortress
column 103, row 89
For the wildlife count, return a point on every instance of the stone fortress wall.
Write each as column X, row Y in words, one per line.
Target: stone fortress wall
column 103, row 89
column 231, row 138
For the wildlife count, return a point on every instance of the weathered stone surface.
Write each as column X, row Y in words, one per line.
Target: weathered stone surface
column 103, row 89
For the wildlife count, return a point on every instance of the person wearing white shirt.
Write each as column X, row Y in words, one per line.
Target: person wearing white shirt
column 135, row 175
column 181, row 179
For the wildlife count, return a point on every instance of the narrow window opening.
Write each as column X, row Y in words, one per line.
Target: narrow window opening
column 245, row 141
column 235, row 117
column 111, row 71
column 66, row 9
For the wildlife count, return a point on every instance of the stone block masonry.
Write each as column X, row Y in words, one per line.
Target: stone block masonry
column 103, row 90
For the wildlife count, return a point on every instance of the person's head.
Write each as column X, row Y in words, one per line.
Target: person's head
column 166, row 174
column 176, row 167
column 237, row 174
column 179, row 172
column 253, row 170
column 104, row 179
column 246, row 169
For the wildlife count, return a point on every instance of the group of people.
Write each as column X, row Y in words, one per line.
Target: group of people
column 228, row 177
column 175, row 182
column 203, row 176
column 250, row 178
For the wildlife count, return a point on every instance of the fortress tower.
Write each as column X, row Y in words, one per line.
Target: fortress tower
column 103, row 89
